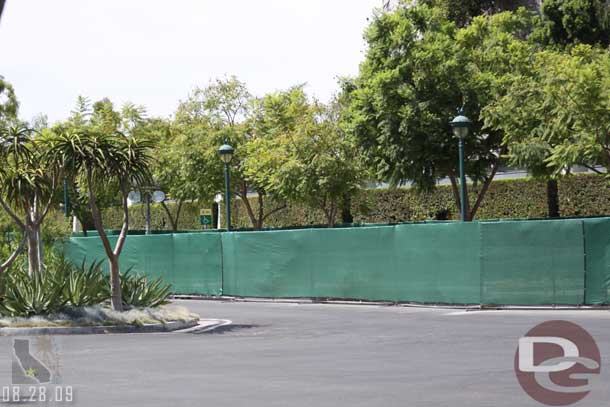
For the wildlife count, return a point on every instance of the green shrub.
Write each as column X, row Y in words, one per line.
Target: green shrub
column 138, row 291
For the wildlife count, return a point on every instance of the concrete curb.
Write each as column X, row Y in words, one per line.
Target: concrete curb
column 205, row 325
column 94, row 330
column 330, row 301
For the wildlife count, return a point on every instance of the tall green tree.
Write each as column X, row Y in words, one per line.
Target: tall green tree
column 419, row 69
column 178, row 168
column 521, row 113
column 523, row 110
column 562, row 111
column 302, row 154
column 577, row 87
column 211, row 116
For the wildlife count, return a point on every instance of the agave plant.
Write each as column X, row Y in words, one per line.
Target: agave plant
column 60, row 286
column 84, row 286
column 138, row 291
column 25, row 296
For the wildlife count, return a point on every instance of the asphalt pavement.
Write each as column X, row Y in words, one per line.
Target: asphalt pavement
column 309, row 355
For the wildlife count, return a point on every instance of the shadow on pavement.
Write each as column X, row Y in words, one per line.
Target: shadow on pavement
column 224, row 329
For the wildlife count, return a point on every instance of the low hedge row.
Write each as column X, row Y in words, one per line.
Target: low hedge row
column 579, row 195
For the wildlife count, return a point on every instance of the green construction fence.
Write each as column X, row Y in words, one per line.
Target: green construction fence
column 190, row 262
column 503, row 262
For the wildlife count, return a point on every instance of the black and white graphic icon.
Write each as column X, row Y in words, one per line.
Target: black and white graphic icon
column 26, row 368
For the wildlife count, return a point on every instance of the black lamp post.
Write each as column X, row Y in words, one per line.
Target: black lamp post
column 461, row 127
column 66, row 199
column 226, row 155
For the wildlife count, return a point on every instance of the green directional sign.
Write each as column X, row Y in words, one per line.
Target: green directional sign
column 205, row 217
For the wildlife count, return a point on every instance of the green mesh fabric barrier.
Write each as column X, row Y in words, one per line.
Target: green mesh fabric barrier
column 508, row 262
column 597, row 260
column 341, row 263
column 424, row 263
column 438, row 262
column 191, row 263
column 532, row 263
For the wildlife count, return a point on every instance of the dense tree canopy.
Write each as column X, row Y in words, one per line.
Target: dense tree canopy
column 300, row 153
column 563, row 110
column 419, row 69
column 463, row 11
column 210, row 117
column 566, row 22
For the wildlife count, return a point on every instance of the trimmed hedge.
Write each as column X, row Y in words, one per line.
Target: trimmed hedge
column 579, row 195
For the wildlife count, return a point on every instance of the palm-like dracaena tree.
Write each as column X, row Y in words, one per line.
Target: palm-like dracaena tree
column 93, row 157
column 27, row 184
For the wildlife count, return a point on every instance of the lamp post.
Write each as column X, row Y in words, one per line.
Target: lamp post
column 66, row 199
column 461, row 127
column 226, row 155
column 151, row 193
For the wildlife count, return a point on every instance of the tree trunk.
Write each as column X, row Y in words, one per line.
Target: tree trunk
column 33, row 265
column 173, row 220
column 246, row 201
column 40, row 246
column 483, row 191
column 331, row 213
column 346, row 211
column 178, row 210
column 552, row 198
column 115, row 284
column 331, row 220
column 258, row 221
column 113, row 255
column 261, row 211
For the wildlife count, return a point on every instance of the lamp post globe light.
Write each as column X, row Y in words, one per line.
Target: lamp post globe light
column 461, row 127
column 226, row 155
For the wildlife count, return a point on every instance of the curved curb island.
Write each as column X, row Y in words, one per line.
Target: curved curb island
column 110, row 329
